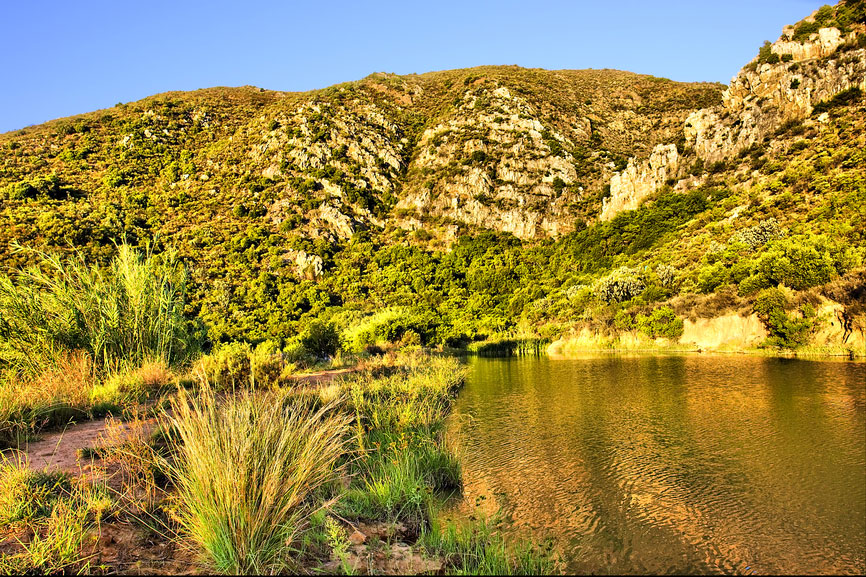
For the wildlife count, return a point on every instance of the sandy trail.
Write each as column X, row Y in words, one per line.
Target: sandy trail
column 58, row 450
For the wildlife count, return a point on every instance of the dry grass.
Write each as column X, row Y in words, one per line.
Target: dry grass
column 244, row 468
column 61, row 392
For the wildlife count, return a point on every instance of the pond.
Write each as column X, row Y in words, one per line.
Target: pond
column 685, row 464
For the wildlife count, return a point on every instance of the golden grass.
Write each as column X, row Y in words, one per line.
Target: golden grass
column 245, row 467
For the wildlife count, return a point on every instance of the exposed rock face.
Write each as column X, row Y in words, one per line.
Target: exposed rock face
column 820, row 44
column 731, row 331
column 306, row 265
column 759, row 100
column 640, row 179
column 498, row 168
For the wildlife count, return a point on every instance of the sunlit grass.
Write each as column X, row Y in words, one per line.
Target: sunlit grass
column 478, row 548
column 245, row 466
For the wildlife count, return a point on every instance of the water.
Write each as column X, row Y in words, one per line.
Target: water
column 683, row 464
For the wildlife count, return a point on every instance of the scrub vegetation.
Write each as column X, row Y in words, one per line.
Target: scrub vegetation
column 248, row 468
column 251, row 292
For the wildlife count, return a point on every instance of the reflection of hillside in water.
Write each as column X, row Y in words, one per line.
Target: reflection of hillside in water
column 689, row 463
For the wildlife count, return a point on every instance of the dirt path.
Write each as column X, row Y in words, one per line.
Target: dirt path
column 321, row 378
column 58, row 450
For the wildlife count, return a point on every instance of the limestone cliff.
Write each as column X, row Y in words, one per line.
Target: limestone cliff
column 782, row 84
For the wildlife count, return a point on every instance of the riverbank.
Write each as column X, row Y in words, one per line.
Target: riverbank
column 361, row 454
column 587, row 343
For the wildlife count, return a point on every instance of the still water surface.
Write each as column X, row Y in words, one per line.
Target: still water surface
column 656, row 464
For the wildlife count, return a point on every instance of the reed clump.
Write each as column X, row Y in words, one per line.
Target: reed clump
column 245, row 467
column 129, row 312
column 78, row 340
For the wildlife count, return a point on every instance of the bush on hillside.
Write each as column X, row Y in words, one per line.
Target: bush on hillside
column 621, row 285
column 785, row 332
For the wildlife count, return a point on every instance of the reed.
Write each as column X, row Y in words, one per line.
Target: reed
column 245, row 467
column 129, row 312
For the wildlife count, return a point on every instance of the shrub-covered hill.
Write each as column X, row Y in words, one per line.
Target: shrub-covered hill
column 445, row 207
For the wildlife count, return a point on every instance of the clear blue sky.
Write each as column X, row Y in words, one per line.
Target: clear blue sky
column 60, row 58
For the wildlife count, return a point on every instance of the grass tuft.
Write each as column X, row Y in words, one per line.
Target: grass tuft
column 245, row 467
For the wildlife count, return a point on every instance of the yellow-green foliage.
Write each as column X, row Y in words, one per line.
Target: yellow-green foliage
column 56, row 512
column 245, row 468
column 131, row 312
column 479, row 548
column 415, row 398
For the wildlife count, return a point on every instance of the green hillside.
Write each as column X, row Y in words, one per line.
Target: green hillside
column 458, row 206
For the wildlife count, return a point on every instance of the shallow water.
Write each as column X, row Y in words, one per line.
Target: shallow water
column 660, row 464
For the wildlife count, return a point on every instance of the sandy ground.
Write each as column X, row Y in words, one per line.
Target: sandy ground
column 58, row 450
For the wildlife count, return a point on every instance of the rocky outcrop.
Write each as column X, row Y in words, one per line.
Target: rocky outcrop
column 640, row 179
column 726, row 332
column 495, row 166
column 822, row 43
column 759, row 100
column 305, row 265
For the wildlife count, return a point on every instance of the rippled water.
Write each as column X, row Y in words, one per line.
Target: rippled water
column 673, row 463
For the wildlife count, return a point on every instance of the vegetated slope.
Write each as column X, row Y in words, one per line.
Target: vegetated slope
column 470, row 201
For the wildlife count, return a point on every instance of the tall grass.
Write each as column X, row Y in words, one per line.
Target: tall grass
column 245, row 468
column 505, row 346
column 419, row 396
column 478, row 548
column 129, row 312
column 404, row 460
column 50, row 398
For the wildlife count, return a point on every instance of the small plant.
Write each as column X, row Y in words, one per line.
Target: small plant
column 338, row 542
column 321, row 339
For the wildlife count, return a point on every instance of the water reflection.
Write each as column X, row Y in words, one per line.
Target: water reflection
column 674, row 464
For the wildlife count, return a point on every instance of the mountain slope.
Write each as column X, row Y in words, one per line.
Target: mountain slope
column 405, row 191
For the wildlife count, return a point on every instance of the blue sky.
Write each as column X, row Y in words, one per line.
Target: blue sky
column 60, row 58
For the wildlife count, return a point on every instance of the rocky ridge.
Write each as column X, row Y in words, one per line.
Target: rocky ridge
column 767, row 93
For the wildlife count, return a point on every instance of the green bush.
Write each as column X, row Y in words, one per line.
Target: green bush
column 712, row 276
column 227, row 366
column 662, row 322
column 321, row 339
column 804, row 261
column 844, row 98
column 785, row 332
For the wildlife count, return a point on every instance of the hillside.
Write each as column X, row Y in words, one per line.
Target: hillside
column 454, row 206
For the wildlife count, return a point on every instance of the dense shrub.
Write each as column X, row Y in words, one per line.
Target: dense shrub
column 785, row 332
column 321, row 339
column 757, row 236
column 227, row 366
column 844, row 98
column 621, row 285
column 804, row 261
column 48, row 186
column 662, row 322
